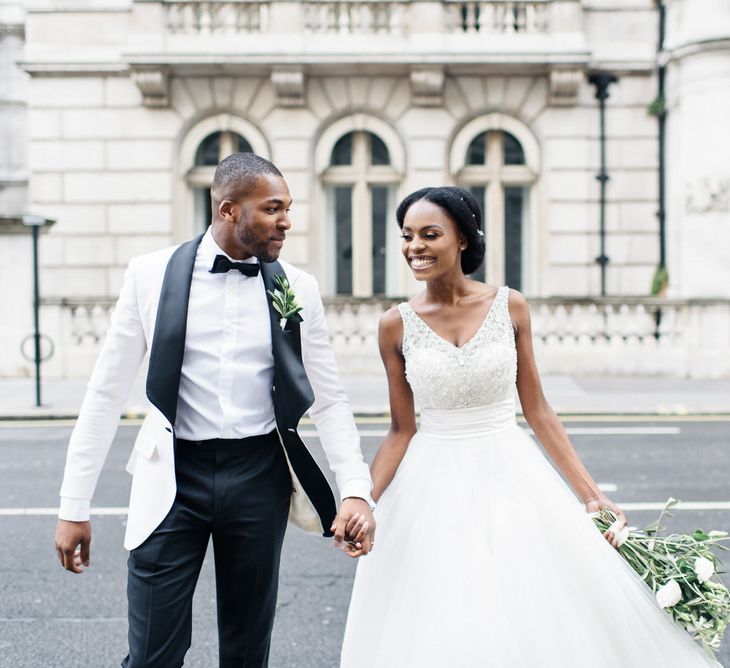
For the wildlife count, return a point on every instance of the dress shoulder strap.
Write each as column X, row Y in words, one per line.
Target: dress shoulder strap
column 411, row 325
column 502, row 317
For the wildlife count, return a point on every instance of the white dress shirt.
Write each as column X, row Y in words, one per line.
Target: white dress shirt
column 228, row 365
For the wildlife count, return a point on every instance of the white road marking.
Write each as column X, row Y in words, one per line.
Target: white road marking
column 39, row 512
column 572, row 431
column 623, row 431
column 684, row 505
column 607, row 486
column 637, row 505
column 312, row 433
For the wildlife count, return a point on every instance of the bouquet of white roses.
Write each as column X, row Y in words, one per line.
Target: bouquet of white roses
column 680, row 569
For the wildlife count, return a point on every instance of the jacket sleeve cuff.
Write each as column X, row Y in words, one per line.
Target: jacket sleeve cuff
column 358, row 488
column 74, row 510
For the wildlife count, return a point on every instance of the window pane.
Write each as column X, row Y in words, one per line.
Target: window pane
column 378, row 151
column 207, row 154
column 343, row 240
column 243, row 145
column 203, row 210
column 476, row 154
column 480, row 193
column 342, row 152
column 513, row 214
column 513, row 153
column 379, row 197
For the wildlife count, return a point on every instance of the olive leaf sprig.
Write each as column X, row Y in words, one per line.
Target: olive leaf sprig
column 284, row 301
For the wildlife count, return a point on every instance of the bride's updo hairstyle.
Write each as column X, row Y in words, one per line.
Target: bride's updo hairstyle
column 461, row 206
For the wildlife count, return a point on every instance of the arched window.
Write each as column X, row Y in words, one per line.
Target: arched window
column 494, row 168
column 360, row 184
column 209, row 153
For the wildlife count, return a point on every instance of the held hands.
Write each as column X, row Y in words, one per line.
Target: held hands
column 73, row 541
column 612, row 534
column 354, row 527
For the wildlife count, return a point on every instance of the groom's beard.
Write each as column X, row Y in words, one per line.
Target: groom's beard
column 263, row 249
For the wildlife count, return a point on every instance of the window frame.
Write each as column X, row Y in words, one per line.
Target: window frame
column 361, row 176
column 495, row 177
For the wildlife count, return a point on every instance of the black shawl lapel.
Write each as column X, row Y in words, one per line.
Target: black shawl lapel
column 293, row 396
column 287, row 350
column 168, row 341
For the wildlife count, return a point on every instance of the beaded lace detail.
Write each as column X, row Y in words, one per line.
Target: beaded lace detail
column 479, row 373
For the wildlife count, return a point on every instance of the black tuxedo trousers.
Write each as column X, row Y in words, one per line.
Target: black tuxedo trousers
column 238, row 493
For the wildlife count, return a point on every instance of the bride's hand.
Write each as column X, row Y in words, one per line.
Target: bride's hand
column 597, row 504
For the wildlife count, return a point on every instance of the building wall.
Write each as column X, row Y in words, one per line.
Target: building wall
column 107, row 168
column 13, row 113
column 111, row 170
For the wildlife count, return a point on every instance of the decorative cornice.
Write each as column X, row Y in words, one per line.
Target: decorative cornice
column 153, row 84
column 16, row 29
column 20, row 224
column 37, row 68
column 427, row 86
column 564, row 85
column 696, row 47
column 289, row 84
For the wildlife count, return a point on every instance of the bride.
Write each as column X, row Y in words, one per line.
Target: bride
column 484, row 557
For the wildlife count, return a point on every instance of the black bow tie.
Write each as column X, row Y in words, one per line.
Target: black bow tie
column 222, row 264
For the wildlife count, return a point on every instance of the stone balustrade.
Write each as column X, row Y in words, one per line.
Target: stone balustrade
column 350, row 17
column 578, row 336
column 346, row 17
column 208, row 18
column 498, row 17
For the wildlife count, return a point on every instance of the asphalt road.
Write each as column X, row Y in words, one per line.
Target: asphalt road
column 50, row 618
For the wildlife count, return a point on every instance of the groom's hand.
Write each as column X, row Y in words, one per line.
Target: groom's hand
column 354, row 526
column 73, row 542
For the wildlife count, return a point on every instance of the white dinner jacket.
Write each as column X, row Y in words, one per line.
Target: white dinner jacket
column 152, row 461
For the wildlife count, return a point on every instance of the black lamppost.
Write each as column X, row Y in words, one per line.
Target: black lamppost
column 602, row 81
column 36, row 223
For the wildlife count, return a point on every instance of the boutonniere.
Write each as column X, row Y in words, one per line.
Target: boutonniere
column 284, row 302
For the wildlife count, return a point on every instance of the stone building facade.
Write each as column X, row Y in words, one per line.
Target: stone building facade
column 116, row 112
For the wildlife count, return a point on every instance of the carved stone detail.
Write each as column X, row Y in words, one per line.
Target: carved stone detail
column 289, row 85
column 153, row 84
column 427, row 86
column 564, row 87
column 704, row 195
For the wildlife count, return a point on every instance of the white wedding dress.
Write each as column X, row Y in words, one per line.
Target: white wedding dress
column 484, row 557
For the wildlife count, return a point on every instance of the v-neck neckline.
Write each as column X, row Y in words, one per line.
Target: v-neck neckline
column 472, row 337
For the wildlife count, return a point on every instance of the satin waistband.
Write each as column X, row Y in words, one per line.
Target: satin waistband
column 475, row 421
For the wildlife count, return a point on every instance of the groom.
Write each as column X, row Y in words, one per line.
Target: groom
column 218, row 454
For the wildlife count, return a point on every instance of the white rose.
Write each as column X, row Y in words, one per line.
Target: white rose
column 704, row 568
column 668, row 595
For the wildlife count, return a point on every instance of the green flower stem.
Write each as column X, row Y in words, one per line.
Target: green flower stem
column 704, row 610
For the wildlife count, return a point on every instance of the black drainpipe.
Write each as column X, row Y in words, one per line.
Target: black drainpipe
column 602, row 81
column 661, row 114
column 659, row 109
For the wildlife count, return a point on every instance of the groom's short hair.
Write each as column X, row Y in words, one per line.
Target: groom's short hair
column 236, row 175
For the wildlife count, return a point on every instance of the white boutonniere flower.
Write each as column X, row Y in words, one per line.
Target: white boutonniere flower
column 284, row 302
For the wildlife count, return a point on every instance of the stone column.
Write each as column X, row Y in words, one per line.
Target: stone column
column 698, row 146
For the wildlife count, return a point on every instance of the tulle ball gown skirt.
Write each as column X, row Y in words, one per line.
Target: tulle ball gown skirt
column 485, row 558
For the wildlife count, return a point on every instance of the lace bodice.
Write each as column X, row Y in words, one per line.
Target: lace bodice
column 479, row 373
